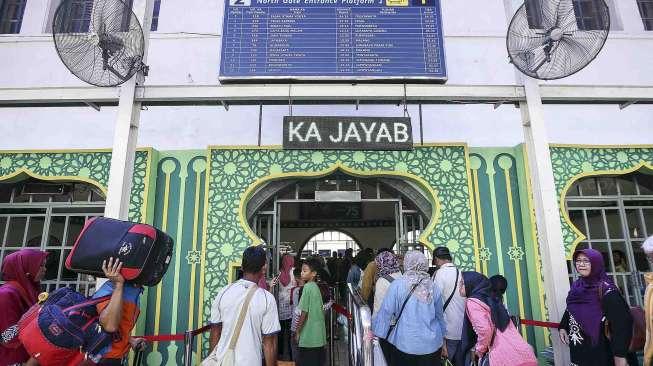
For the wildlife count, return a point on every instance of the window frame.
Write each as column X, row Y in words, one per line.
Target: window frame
column 583, row 19
column 628, row 204
column 52, row 217
column 13, row 24
column 156, row 11
column 647, row 21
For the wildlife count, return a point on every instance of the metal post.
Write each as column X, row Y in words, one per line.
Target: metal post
column 333, row 338
column 547, row 212
column 125, row 135
column 260, row 122
column 126, row 129
column 421, row 127
column 188, row 348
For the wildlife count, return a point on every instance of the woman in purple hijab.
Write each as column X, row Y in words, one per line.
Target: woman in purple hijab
column 593, row 297
column 22, row 272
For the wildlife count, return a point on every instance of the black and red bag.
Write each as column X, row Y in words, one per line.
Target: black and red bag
column 64, row 330
column 144, row 250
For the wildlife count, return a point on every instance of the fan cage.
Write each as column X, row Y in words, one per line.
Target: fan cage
column 527, row 41
column 99, row 41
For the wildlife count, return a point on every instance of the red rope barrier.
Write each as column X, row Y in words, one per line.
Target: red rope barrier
column 341, row 310
column 538, row 323
column 163, row 338
column 174, row 337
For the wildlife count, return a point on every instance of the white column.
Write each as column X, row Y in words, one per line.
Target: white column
column 545, row 202
column 126, row 130
column 547, row 214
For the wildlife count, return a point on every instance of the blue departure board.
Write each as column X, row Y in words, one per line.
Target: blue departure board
column 332, row 40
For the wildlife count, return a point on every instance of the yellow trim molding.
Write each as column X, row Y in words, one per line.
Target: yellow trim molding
column 423, row 238
column 563, row 195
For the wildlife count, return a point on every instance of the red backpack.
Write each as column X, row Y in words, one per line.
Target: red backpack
column 64, row 330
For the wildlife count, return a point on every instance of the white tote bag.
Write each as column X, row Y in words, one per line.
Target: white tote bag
column 229, row 358
column 379, row 358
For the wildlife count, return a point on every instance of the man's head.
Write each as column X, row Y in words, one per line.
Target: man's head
column 310, row 267
column 647, row 246
column 441, row 256
column 334, row 254
column 254, row 261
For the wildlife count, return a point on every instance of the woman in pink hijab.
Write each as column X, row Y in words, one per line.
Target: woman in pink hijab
column 22, row 272
column 286, row 283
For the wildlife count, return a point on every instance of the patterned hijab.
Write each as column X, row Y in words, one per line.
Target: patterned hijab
column 416, row 266
column 584, row 298
column 386, row 264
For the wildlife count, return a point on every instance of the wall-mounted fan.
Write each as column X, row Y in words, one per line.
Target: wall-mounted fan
column 552, row 39
column 101, row 41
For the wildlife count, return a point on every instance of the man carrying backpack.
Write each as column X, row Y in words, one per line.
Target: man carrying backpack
column 446, row 278
column 244, row 317
column 118, row 315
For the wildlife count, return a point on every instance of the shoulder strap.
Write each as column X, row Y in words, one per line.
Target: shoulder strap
column 87, row 303
column 241, row 316
column 455, row 286
column 396, row 320
column 388, row 278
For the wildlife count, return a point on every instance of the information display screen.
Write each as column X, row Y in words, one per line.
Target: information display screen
column 332, row 40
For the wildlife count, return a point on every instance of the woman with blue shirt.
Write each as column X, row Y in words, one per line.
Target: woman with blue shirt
column 410, row 323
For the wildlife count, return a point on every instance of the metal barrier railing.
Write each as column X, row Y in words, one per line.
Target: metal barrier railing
column 360, row 330
column 188, row 337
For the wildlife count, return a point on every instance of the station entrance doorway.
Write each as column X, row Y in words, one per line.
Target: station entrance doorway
column 376, row 212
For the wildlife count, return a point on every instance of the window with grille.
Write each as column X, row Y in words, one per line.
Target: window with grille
column 11, row 16
column 78, row 14
column 588, row 14
column 48, row 216
column 534, row 13
column 616, row 215
column 646, row 11
column 155, row 15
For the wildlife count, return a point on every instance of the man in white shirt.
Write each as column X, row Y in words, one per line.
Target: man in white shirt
column 447, row 278
column 261, row 321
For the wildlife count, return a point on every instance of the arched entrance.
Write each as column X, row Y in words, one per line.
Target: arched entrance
column 49, row 216
column 327, row 242
column 379, row 212
column 615, row 215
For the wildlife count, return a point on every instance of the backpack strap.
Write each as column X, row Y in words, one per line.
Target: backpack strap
column 455, row 286
column 393, row 322
column 241, row 317
column 87, row 303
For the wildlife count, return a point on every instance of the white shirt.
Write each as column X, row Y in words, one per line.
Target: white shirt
column 454, row 314
column 261, row 319
column 380, row 288
column 285, row 309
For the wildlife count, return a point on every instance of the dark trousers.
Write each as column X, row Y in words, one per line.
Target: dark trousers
column 394, row 357
column 311, row 356
column 284, row 341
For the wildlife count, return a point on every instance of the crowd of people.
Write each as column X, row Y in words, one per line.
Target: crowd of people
column 418, row 318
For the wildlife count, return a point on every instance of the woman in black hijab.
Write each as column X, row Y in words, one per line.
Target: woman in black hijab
column 495, row 337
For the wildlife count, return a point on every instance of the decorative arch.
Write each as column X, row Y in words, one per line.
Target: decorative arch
column 432, row 195
column 235, row 173
column 88, row 166
column 23, row 174
column 574, row 162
